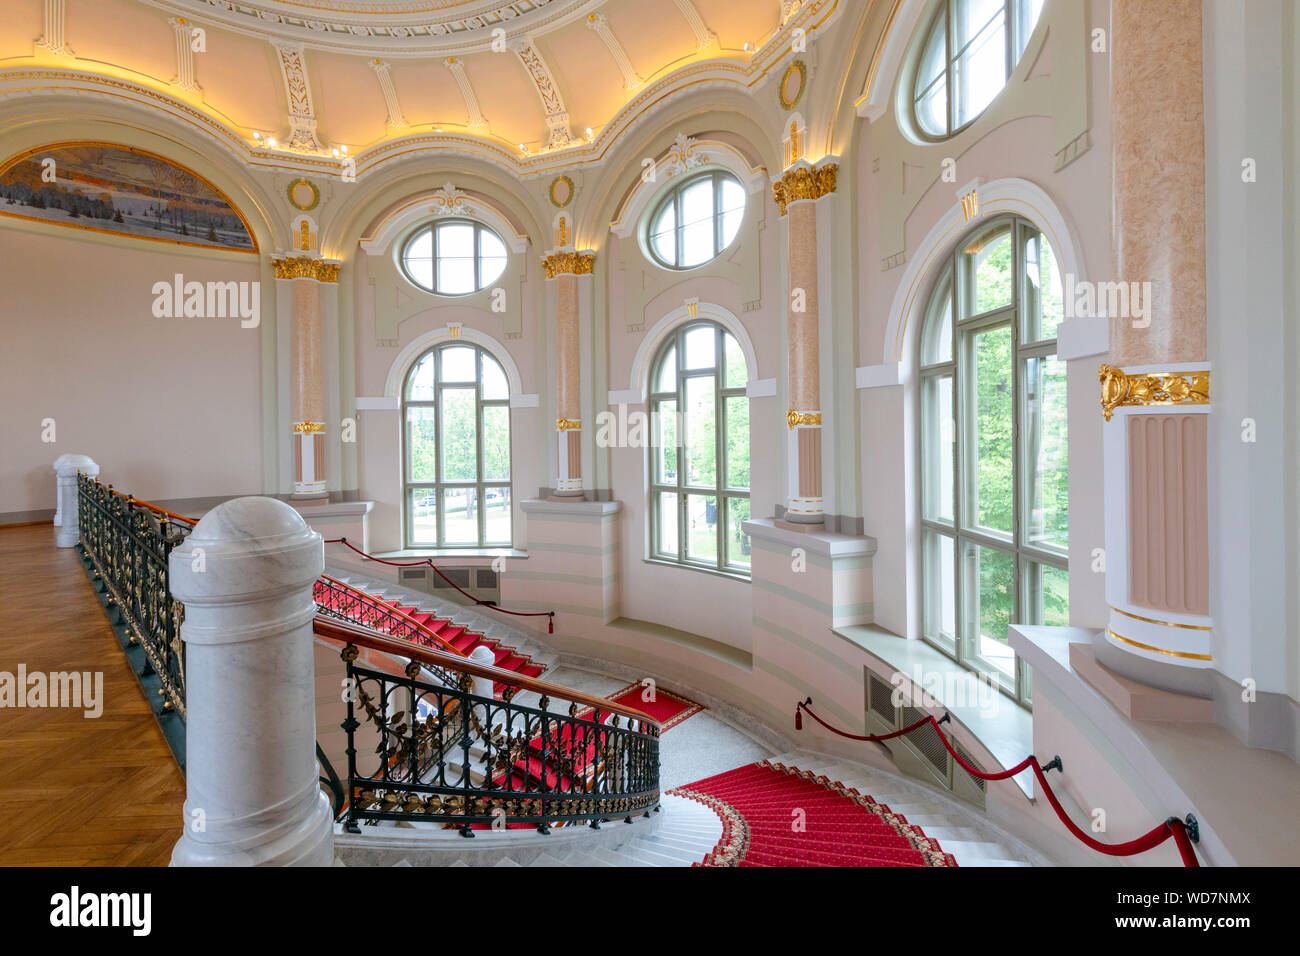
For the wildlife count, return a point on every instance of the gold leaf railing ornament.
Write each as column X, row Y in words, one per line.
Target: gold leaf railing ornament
column 1118, row 388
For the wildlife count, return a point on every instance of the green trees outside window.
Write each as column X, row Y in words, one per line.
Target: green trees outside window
column 456, row 450
column 994, row 451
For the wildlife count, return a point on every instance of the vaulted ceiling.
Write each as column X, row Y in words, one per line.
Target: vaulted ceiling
column 528, row 78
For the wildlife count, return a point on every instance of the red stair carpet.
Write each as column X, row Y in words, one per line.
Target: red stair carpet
column 841, row 827
column 667, row 708
column 463, row 640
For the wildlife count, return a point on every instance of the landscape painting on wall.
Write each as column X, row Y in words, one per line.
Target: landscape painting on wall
column 122, row 190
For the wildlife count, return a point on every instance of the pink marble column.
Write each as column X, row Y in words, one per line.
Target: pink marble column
column 307, row 376
column 1156, row 389
column 562, row 270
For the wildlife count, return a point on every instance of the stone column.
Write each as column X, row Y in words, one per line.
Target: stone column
column 563, row 270
column 67, row 532
column 253, row 796
column 307, row 386
column 796, row 195
column 1156, row 393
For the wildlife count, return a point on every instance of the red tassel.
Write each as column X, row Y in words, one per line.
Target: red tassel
column 550, row 624
column 798, row 719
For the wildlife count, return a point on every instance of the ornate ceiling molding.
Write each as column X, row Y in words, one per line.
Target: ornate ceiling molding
column 52, row 39
column 386, row 29
column 600, row 24
column 557, row 115
column 302, row 114
column 476, row 119
column 186, row 76
column 395, row 118
column 703, row 35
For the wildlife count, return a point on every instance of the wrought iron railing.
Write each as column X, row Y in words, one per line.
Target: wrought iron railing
column 128, row 545
column 422, row 751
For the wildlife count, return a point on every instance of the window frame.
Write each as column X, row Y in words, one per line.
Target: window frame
column 963, row 645
column 675, row 342
column 434, row 227
column 1017, row 28
column 673, row 196
column 439, row 485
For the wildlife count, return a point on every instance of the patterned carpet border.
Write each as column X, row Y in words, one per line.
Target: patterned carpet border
column 692, row 708
column 734, row 842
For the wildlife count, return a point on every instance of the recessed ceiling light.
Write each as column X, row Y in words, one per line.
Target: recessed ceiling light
column 746, row 46
column 344, row 149
column 257, row 135
column 270, row 141
column 589, row 133
column 336, row 152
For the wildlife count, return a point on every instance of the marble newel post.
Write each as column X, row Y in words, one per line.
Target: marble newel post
column 66, row 527
column 562, row 272
column 797, row 193
column 1155, row 393
column 304, row 276
column 252, row 797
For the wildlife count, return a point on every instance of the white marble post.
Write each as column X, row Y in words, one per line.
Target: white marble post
column 66, row 529
column 482, row 686
column 253, row 797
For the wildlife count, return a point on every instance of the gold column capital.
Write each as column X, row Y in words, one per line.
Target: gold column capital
column 308, row 428
column 305, row 267
column 569, row 263
column 804, row 182
column 1151, row 388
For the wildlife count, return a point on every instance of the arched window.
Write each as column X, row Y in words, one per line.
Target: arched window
column 456, row 455
column 696, row 220
column 699, row 454
column 969, row 53
column 454, row 257
column 994, row 451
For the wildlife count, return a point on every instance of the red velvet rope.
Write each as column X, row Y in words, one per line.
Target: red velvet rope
column 428, row 562
column 1173, row 827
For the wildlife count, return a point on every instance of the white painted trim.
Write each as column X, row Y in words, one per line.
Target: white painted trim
column 719, row 156
column 1082, row 337
column 997, row 198
column 625, row 396
column 879, row 376
column 876, row 100
column 760, row 387
column 524, row 401
column 421, row 344
column 711, row 311
column 421, row 208
column 382, row 403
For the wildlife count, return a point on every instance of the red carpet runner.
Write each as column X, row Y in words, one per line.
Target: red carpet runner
column 667, row 708
column 840, row 827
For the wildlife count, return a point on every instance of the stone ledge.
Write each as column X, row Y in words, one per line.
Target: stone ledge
column 579, row 506
column 826, row 543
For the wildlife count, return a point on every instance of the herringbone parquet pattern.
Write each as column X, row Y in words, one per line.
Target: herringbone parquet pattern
column 76, row 791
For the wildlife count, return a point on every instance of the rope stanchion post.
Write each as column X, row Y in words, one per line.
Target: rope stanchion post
column 1183, row 833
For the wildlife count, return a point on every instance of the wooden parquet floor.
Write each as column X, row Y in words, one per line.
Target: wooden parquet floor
column 76, row 791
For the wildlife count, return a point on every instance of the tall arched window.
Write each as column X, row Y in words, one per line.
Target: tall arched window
column 699, row 454
column 456, row 455
column 994, row 454
column 969, row 53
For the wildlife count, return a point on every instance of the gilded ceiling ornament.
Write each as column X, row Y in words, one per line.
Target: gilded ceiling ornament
column 795, row 419
column 684, row 154
column 450, row 201
column 1151, row 388
column 305, row 267
column 303, row 194
column 790, row 96
column 805, row 183
column 569, row 263
column 561, row 192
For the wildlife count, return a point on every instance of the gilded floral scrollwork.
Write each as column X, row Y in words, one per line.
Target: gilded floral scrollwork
column 1151, row 388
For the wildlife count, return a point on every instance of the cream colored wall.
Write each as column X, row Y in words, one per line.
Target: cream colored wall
column 169, row 408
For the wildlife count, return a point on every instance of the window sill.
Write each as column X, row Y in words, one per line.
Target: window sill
column 716, row 572
column 450, row 553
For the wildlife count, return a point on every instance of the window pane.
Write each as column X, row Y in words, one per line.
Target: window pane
column 421, row 271
column 932, row 107
column 988, row 456
column 702, row 528
column 490, row 245
column 736, row 374
column 459, row 435
column 491, row 270
column 936, row 339
column 420, row 246
column 1044, row 306
column 940, row 606
column 667, row 381
column 494, row 379
column 934, row 56
column 460, row 515
column 987, row 267
column 456, row 276
column 936, row 448
column 423, row 510
column 700, row 346
column 1046, row 454
column 456, row 240
column 663, row 237
column 667, row 524
column 990, row 603
column 458, row 364
column 496, row 443
column 496, row 516
column 697, row 243
column 980, row 71
column 664, row 443
column 697, row 202
column 1046, row 595
column 419, row 387
column 701, row 432
column 737, row 409
column 421, row 443
column 733, row 210
column 737, row 540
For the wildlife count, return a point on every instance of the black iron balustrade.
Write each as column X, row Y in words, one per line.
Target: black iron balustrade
column 420, row 751
column 128, row 546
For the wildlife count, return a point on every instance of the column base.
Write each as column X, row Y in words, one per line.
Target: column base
column 799, row 526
